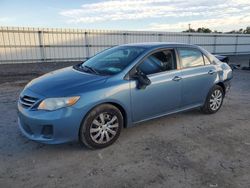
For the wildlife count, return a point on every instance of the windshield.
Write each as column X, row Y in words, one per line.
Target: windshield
column 113, row 60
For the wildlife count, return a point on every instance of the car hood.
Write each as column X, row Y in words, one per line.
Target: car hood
column 64, row 82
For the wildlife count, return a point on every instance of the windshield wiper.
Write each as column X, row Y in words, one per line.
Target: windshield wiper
column 91, row 69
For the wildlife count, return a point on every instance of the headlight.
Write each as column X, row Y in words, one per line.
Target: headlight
column 56, row 103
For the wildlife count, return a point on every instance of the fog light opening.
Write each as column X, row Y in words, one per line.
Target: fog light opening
column 47, row 131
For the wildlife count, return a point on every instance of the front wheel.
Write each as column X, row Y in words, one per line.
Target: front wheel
column 214, row 100
column 101, row 127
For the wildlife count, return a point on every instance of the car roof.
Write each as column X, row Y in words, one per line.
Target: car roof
column 153, row 45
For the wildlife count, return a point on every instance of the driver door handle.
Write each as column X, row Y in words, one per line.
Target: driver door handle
column 176, row 78
column 211, row 72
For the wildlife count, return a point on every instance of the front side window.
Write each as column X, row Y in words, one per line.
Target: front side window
column 158, row 62
column 113, row 60
column 191, row 57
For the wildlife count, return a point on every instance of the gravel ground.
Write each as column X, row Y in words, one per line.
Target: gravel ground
column 183, row 150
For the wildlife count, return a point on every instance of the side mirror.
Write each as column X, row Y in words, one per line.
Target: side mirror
column 143, row 80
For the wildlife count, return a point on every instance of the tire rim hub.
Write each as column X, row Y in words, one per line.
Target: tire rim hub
column 216, row 100
column 104, row 128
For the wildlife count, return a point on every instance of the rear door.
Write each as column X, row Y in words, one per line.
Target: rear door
column 198, row 76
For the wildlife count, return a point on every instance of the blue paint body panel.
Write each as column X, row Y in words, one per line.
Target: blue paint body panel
column 163, row 96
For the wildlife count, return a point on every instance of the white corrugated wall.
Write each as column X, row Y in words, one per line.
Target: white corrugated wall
column 19, row 44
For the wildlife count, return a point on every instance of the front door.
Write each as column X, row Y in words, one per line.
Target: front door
column 163, row 95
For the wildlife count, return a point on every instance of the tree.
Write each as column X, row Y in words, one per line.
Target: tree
column 189, row 31
column 207, row 30
column 199, row 30
column 215, row 31
column 247, row 30
column 204, row 30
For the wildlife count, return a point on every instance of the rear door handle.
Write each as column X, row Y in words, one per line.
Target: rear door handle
column 176, row 78
column 211, row 72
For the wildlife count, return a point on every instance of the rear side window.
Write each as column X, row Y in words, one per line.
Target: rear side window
column 190, row 57
column 206, row 60
column 159, row 62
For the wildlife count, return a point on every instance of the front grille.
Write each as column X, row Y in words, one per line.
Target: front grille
column 27, row 101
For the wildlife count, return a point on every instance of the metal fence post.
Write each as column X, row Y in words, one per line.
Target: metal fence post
column 159, row 37
column 41, row 45
column 87, row 44
column 189, row 38
column 125, row 38
column 236, row 44
column 3, row 44
column 10, row 52
column 215, row 42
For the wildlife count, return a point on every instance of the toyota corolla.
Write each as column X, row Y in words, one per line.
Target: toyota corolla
column 120, row 87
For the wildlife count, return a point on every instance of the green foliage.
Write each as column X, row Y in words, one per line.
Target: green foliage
column 247, row 30
column 204, row 30
column 207, row 30
column 199, row 30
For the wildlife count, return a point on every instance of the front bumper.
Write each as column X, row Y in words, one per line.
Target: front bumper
column 50, row 127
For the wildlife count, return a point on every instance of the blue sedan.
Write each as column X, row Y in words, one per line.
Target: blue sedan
column 119, row 87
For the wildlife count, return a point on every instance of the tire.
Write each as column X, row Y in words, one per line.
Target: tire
column 101, row 127
column 214, row 100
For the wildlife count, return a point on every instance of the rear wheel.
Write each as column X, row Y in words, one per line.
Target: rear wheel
column 214, row 100
column 101, row 127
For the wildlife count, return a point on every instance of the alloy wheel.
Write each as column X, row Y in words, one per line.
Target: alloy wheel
column 216, row 100
column 104, row 128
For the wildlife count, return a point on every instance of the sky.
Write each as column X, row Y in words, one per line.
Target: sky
column 155, row 15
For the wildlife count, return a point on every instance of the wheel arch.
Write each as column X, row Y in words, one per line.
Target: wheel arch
column 222, row 85
column 122, row 110
column 117, row 105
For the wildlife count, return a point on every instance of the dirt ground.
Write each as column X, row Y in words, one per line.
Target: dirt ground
column 184, row 150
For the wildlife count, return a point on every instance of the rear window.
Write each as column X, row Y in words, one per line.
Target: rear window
column 190, row 57
column 206, row 60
